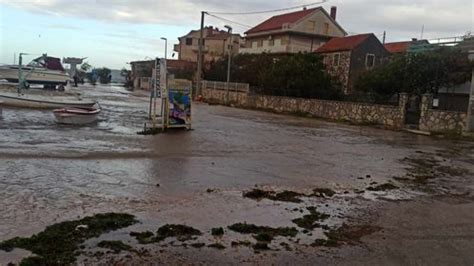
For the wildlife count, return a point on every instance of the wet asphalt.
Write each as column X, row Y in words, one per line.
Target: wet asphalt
column 50, row 172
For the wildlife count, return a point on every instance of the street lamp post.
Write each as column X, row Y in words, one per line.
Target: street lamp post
column 166, row 46
column 229, row 30
column 21, row 79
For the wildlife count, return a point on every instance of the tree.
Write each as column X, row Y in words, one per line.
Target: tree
column 85, row 67
column 104, row 75
column 299, row 75
column 418, row 73
column 92, row 76
column 296, row 75
column 245, row 68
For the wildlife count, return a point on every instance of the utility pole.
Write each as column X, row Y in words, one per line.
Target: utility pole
column 229, row 50
column 155, row 84
column 199, row 71
column 422, row 31
column 384, row 36
column 470, row 109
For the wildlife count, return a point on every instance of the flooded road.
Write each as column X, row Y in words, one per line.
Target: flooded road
column 51, row 173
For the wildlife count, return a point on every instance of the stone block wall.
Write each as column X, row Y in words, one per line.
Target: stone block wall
column 235, row 98
column 390, row 116
column 362, row 113
column 439, row 120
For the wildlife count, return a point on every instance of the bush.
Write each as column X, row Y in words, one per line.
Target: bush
column 418, row 73
column 104, row 75
column 295, row 75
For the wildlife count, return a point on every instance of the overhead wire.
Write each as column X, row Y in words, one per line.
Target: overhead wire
column 231, row 21
column 268, row 11
column 246, row 27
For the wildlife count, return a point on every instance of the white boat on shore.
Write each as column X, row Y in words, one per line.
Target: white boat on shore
column 77, row 115
column 45, row 70
column 42, row 101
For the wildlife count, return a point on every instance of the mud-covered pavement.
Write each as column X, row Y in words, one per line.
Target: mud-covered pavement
column 399, row 198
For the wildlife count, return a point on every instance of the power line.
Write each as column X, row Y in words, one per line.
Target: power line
column 269, row 11
column 231, row 21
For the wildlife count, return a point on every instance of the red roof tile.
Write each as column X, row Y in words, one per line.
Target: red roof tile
column 397, row 47
column 276, row 22
column 343, row 43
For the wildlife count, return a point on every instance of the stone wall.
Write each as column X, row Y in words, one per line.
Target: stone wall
column 361, row 113
column 438, row 120
column 341, row 69
column 234, row 98
column 390, row 116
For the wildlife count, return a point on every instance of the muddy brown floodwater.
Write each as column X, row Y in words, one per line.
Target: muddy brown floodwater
column 50, row 173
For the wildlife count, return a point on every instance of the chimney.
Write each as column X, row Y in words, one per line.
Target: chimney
column 333, row 12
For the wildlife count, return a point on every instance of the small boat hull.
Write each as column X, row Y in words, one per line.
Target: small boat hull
column 76, row 115
column 42, row 102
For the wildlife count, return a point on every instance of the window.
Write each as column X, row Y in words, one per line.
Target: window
column 326, row 28
column 369, row 61
column 336, row 60
column 271, row 42
column 311, row 26
column 285, row 40
column 259, row 43
column 189, row 41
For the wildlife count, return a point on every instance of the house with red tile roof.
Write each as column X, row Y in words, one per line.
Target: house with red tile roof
column 348, row 57
column 301, row 31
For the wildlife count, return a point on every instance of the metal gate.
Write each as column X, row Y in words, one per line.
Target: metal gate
column 413, row 111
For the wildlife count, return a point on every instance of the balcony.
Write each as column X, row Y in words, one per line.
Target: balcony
column 176, row 48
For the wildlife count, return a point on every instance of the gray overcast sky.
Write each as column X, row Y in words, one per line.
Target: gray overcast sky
column 400, row 18
column 114, row 32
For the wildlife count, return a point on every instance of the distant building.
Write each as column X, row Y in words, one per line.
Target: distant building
column 404, row 47
column 141, row 72
column 181, row 69
column 215, row 45
column 301, row 31
column 467, row 44
column 348, row 57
